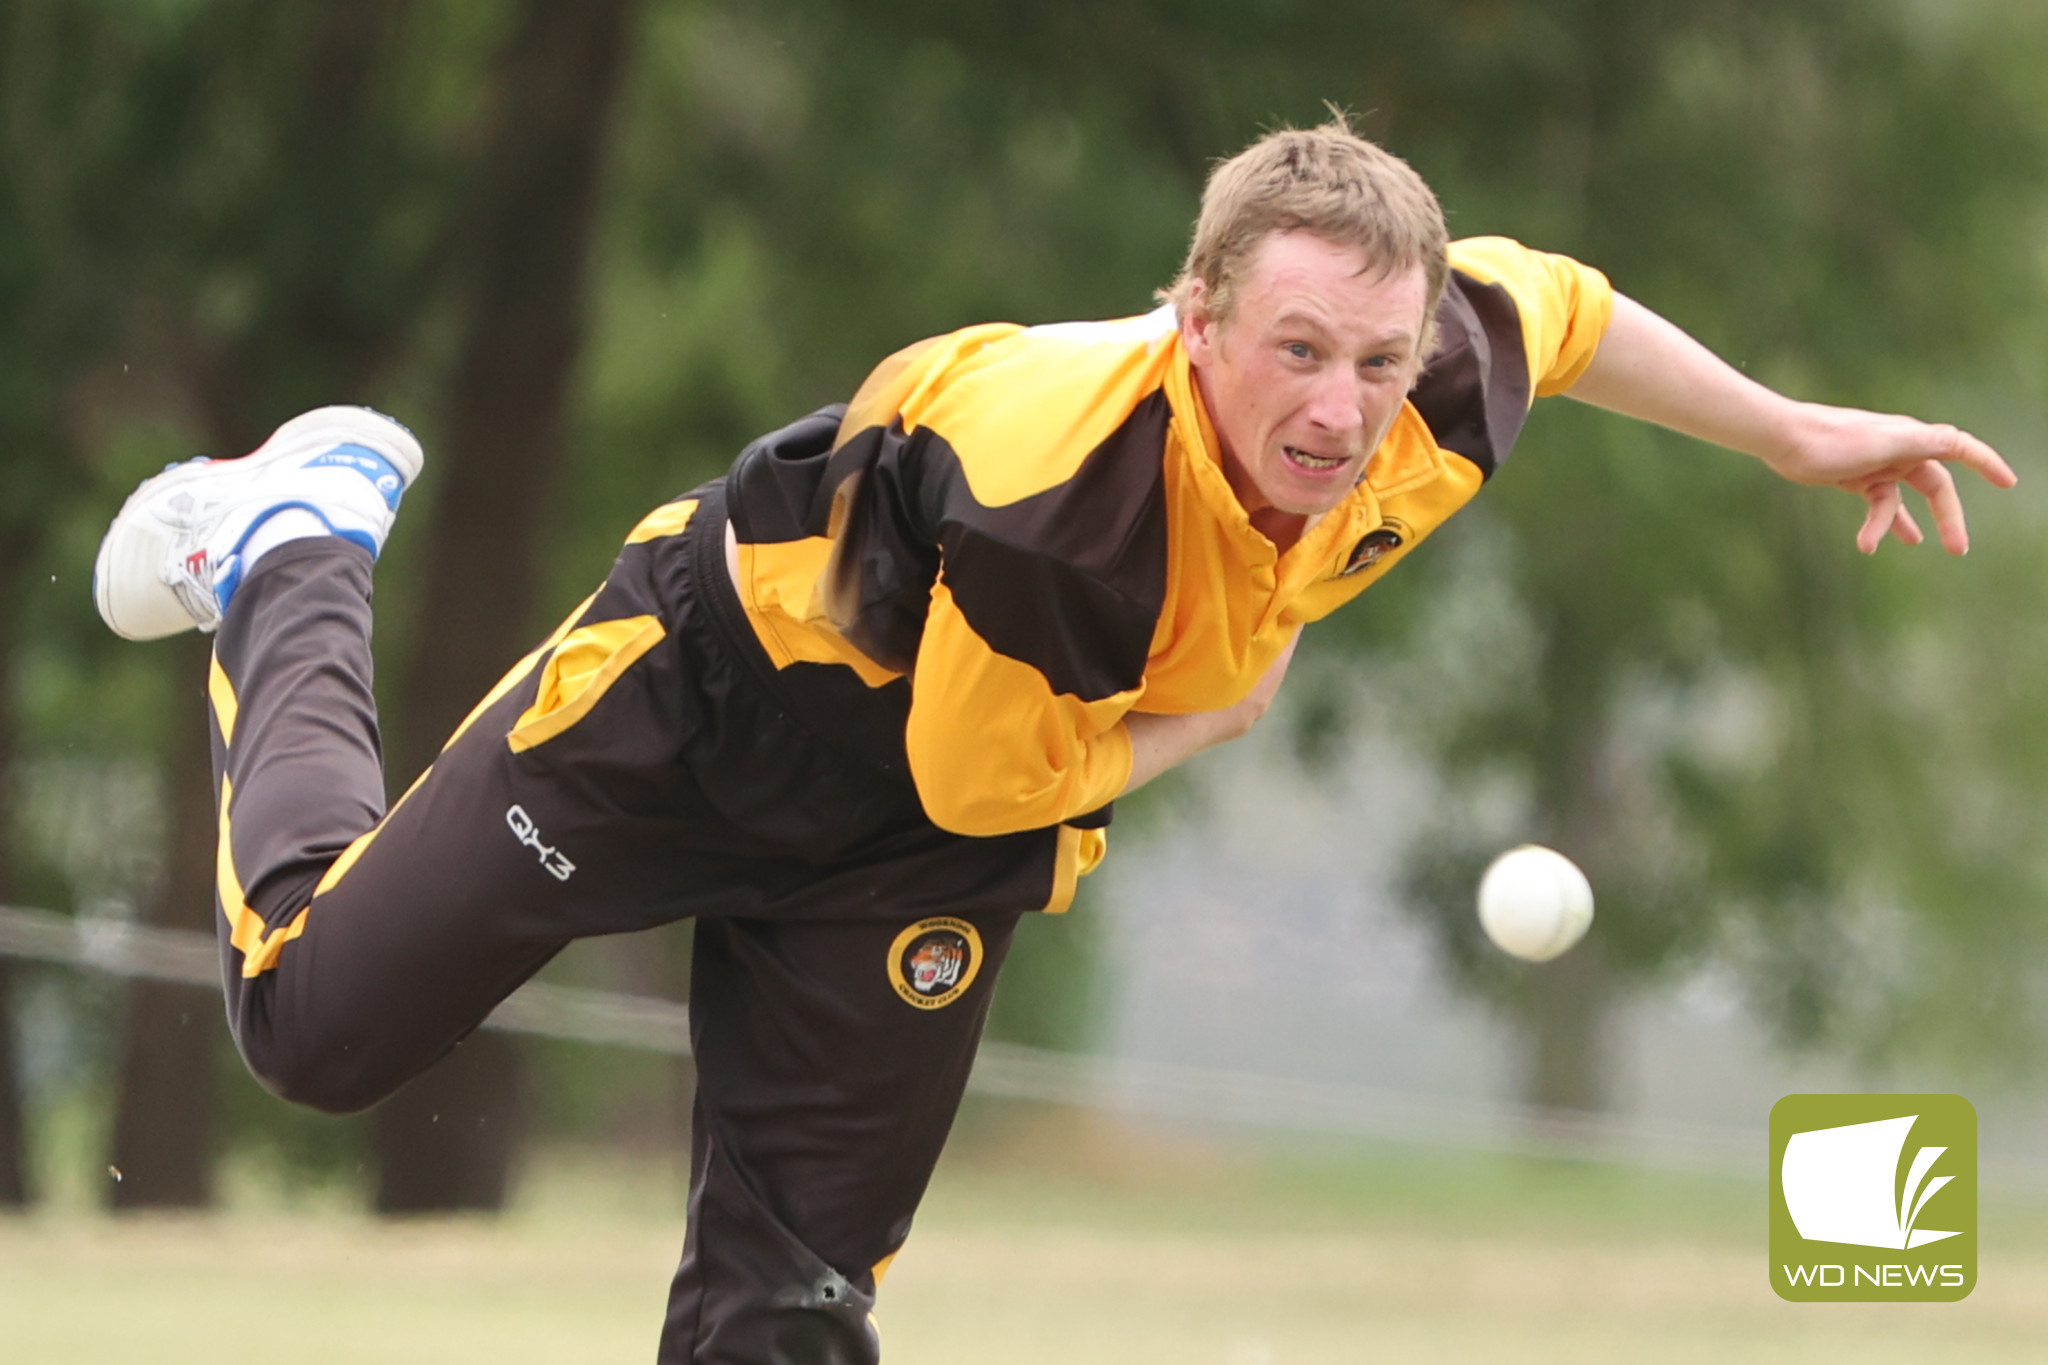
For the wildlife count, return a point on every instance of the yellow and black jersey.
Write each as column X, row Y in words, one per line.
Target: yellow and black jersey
column 1014, row 536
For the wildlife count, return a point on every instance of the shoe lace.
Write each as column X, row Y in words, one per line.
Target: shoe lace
column 195, row 594
column 191, row 571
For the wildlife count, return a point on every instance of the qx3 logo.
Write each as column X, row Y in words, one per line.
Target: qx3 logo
column 1854, row 1201
column 558, row 867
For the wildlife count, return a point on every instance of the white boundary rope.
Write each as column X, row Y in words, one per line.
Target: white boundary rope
column 193, row 959
column 1140, row 1089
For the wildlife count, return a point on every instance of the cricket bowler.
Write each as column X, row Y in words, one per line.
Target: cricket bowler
column 864, row 703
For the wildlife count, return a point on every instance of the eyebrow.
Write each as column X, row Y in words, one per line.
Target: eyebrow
column 1298, row 317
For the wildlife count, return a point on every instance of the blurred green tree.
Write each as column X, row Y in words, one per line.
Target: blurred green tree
column 1837, row 195
column 65, row 313
column 197, row 180
column 1708, row 712
column 520, row 265
column 256, row 210
column 217, row 212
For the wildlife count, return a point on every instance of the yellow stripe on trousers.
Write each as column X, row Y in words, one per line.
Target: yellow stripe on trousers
column 579, row 671
column 616, row 644
column 222, row 694
column 663, row 521
column 259, row 944
column 505, row 684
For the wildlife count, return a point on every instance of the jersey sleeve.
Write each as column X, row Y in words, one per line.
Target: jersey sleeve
column 1034, row 472
column 1564, row 306
column 993, row 748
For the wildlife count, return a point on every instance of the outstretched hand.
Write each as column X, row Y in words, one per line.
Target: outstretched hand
column 1647, row 368
column 1877, row 456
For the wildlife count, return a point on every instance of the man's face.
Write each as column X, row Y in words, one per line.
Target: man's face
column 1307, row 375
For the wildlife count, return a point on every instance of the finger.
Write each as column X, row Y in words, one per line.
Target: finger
column 1905, row 528
column 1933, row 482
column 1972, row 453
column 1885, row 503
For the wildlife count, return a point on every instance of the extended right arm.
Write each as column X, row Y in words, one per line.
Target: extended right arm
column 1162, row 742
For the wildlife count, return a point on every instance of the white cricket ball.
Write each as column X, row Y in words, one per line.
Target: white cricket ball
column 1534, row 902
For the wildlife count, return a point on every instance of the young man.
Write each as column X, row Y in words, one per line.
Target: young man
column 865, row 702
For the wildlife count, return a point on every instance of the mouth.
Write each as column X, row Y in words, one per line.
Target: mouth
column 1311, row 463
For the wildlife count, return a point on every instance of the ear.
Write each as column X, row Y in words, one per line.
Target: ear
column 1198, row 328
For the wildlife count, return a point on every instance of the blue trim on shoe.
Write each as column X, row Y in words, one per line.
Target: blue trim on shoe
column 382, row 474
column 224, row 586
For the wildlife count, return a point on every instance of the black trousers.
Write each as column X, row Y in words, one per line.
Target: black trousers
column 644, row 765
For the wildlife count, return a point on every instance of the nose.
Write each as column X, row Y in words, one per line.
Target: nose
column 1337, row 405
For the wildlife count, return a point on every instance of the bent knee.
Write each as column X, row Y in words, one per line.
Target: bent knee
column 333, row 1078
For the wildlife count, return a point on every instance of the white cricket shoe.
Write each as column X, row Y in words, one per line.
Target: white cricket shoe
column 182, row 542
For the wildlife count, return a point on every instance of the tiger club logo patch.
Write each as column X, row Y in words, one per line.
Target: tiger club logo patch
column 1390, row 535
column 934, row 961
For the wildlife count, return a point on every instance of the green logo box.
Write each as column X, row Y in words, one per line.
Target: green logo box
column 1873, row 1198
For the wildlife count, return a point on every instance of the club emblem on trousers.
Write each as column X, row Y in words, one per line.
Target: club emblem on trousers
column 934, row 961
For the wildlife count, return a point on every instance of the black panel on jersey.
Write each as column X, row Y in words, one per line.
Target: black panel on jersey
column 885, row 546
column 1474, row 391
column 1069, row 580
column 780, row 488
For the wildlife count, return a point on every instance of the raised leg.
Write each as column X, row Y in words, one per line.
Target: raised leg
column 356, row 949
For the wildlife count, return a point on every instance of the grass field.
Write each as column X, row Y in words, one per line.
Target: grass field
column 1045, row 1239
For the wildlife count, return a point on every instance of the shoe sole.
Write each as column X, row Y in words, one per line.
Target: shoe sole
column 137, row 544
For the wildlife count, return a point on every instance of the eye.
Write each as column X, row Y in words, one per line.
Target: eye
column 1299, row 350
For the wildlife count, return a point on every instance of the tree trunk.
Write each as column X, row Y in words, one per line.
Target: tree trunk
column 311, row 343
column 448, row 1140
column 17, row 554
column 166, row 1109
column 1568, row 1008
column 1568, row 1066
column 15, row 1189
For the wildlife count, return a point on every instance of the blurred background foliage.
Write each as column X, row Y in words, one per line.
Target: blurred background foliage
column 589, row 251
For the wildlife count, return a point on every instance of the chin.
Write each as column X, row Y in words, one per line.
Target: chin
column 1298, row 502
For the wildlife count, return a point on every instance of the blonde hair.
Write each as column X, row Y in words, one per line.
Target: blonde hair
column 1328, row 181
